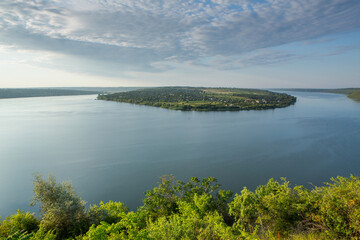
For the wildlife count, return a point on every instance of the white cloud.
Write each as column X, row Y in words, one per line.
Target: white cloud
column 153, row 35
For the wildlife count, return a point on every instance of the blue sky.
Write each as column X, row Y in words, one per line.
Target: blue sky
column 228, row 43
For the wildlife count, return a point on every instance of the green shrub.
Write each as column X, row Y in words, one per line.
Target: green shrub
column 110, row 212
column 163, row 200
column 62, row 210
column 244, row 208
column 130, row 226
column 195, row 220
column 338, row 208
column 274, row 209
column 19, row 222
column 42, row 234
column 279, row 207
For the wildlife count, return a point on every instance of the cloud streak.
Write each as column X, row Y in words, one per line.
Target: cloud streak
column 146, row 35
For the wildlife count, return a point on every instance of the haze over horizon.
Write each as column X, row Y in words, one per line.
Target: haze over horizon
column 219, row 43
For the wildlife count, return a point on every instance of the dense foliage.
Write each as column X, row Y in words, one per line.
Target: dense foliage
column 203, row 99
column 197, row 209
column 62, row 210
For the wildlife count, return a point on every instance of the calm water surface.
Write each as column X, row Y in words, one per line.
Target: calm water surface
column 116, row 151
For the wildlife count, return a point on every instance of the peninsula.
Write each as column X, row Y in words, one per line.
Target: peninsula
column 203, row 99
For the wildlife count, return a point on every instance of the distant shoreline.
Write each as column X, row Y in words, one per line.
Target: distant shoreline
column 6, row 93
column 352, row 93
column 28, row 93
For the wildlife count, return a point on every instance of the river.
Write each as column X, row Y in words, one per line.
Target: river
column 116, row 151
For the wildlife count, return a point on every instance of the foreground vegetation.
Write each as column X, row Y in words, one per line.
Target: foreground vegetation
column 197, row 209
column 203, row 99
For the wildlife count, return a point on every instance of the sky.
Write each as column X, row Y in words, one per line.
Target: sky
column 211, row 43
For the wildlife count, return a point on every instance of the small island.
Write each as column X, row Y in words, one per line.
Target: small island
column 203, row 99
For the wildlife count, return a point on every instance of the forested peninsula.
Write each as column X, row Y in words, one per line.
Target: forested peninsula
column 196, row 209
column 203, row 99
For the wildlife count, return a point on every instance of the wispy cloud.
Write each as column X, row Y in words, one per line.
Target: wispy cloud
column 146, row 35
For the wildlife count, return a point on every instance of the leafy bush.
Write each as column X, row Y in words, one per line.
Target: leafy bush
column 42, row 234
column 62, row 210
column 274, row 209
column 130, row 226
column 110, row 212
column 244, row 208
column 279, row 207
column 338, row 208
column 163, row 200
column 195, row 220
column 19, row 222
